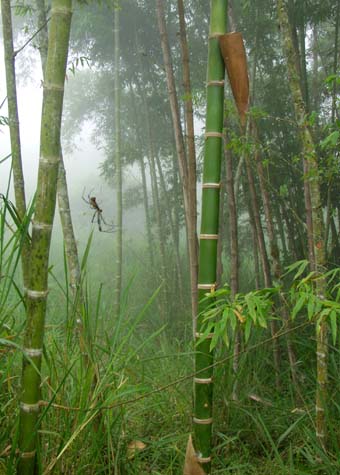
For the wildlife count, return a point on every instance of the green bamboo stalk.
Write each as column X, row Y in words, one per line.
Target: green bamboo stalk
column 14, row 129
column 62, row 190
column 209, row 230
column 41, row 232
column 118, row 163
column 318, row 263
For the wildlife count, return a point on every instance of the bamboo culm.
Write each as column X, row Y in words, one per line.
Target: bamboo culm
column 14, row 129
column 58, row 42
column 203, row 387
column 118, row 168
column 318, row 264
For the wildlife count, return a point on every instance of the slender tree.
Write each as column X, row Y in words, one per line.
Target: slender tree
column 41, row 233
column 189, row 203
column 318, row 263
column 13, row 117
column 118, row 166
column 191, row 162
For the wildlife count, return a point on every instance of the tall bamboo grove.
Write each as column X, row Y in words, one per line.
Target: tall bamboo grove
column 58, row 42
column 209, row 230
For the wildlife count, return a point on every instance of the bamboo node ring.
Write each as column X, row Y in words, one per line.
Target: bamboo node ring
column 199, row 335
column 27, row 455
column 211, row 287
column 29, row 407
column 319, row 409
column 52, row 160
column 53, row 87
column 37, row 294
column 203, row 459
column 202, row 421
column 61, row 11
column 216, row 34
column 322, row 355
column 213, row 134
column 207, row 186
column 203, row 380
column 209, row 236
column 33, row 352
column 215, row 83
column 319, row 434
column 42, row 226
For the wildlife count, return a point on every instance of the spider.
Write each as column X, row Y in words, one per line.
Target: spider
column 98, row 213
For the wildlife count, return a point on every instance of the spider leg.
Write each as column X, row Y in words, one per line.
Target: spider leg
column 94, row 215
column 99, row 221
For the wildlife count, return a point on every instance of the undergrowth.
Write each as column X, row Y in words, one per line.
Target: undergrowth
column 122, row 403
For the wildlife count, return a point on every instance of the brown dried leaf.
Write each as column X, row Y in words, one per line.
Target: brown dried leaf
column 134, row 447
column 191, row 466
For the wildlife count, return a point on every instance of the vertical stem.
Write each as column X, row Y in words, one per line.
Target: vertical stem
column 310, row 157
column 13, row 117
column 189, row 202
column 192, row 201
column 41, row 232
column 265, row 264
column 118, row 165
column 209, row 229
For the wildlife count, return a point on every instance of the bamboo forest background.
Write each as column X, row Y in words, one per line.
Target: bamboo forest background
column 110, row 388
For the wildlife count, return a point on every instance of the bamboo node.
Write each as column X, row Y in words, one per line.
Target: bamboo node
column 319, row 434
column 207, row 186
column 37, row 294
column 27, row 455
column 215, row 83
column 199, row 335
column 319, row 409
column 52, row 160
column 42, row 226
column 28, row 408
column 320, row 354
column 209, row 236
column 202, row 421
column 211, row 287
column 50, row 86
column 33, row 352
column 203, row 380
column 216, row 34
column 203, row 459
column 213, row 134
column 61, row 11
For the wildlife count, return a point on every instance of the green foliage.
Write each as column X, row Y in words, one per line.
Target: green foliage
column 304, row 298
column 244, row 311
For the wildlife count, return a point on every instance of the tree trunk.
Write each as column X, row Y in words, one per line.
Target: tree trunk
column 13, row 117
column 265, row 264
column 191, row 163
column 179, row 277
column 310, row 157
column 180, row 149
column 234, row 259
column 118, row 168
column 41, row 232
